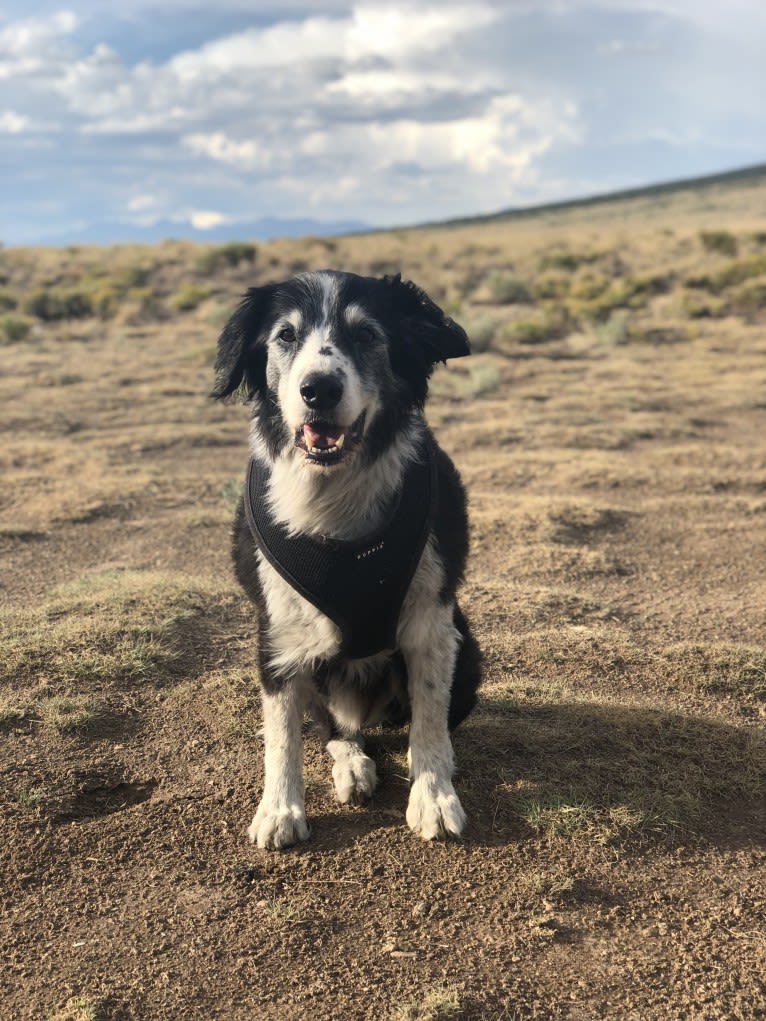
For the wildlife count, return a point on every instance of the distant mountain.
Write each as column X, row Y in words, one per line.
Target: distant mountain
column 117, row 232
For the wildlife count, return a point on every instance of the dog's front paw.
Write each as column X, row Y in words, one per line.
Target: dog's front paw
column 434, row 809
column 275, row 826
column 355, row 778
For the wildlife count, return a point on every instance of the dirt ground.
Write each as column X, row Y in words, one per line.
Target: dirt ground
column 613, row 774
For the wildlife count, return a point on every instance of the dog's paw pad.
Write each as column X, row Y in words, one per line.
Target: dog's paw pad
column 355, row 778
column 277, row 827
column 434, row 809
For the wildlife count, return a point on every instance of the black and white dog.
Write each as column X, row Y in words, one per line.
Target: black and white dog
column 351, row 537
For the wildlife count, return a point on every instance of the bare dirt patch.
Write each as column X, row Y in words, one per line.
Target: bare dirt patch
column 614, row 772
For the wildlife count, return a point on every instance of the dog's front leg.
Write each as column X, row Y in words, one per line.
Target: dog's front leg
column 430, row 649
column 281, row 816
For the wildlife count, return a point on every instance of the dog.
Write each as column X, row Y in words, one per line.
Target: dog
column 351, row 538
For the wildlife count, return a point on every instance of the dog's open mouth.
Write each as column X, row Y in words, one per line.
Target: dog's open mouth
column 327, row 443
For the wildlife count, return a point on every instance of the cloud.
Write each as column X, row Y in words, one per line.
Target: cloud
column 140, row 203
column 206, row 220
column 13, row 123
column 363, row 110
column 388, row 32
column 29, row 47
column 218, row 146
column 318, row 104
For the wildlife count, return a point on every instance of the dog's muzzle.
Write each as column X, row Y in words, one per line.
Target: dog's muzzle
column 327, row 443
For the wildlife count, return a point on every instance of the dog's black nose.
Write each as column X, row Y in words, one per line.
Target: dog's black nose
column 321, row 392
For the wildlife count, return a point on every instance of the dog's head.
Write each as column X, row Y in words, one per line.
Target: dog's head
column 334, row 363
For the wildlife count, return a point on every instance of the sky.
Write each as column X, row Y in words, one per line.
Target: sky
column 209, row 115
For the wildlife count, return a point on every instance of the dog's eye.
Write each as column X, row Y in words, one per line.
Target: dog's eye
column 287, row 334
column 365, row 334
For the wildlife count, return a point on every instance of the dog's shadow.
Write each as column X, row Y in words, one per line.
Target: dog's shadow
column 610, row 773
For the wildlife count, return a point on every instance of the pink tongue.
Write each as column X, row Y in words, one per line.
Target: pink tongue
column 321, row 437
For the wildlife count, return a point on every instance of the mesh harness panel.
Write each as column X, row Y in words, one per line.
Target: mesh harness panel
column 359, row 585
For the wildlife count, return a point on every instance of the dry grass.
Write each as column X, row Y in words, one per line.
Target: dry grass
column 596, row 769
column 113, row 628
column 437, row 1004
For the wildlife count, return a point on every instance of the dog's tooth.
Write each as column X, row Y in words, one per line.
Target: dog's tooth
column 340, row 441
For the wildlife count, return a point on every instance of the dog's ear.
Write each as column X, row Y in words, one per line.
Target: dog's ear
column 240, row 365
column 426, row 334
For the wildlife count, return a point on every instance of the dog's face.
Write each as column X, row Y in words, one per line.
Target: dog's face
column 334, row 363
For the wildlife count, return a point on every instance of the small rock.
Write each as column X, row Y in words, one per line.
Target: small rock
column 420, row 910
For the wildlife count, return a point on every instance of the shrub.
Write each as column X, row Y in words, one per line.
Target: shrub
column 701, row 306
column 53, row 305
column 481, row 333
column 551, row 285
column 484, row 378
column 8, row 301
column 702, row 281
column 552, row 324
column 136, row 275
column 722, row 241
column 146, row 303
column 13, row 329
column 589, row 286
column 188, row 297
column 560, row 260
column 105, row 301
column 738, row 272
column 629, row 292
column 230, row 254
column 529, row 331
column 615, row 329
column 750, row 298
column 507, row 288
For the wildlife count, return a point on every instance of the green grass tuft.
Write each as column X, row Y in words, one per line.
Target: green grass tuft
column 68, row 714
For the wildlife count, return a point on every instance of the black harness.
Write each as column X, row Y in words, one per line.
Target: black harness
column 359, row 585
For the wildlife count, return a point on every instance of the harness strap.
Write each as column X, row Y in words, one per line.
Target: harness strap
column 359, row 585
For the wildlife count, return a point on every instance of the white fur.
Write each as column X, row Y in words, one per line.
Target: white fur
column 300, row 635
column 318, row 354
column 353, row 772
column 430, row 642
column 341, row 504
column 281, row 816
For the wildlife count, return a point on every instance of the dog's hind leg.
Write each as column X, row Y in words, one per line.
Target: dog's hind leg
column 281, row 816
column 467, row 673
